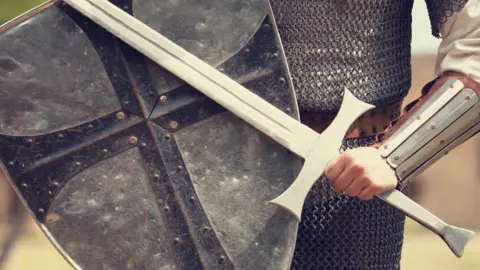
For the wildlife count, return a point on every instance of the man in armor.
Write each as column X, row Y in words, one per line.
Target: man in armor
column 364, row 46
column 82, row 145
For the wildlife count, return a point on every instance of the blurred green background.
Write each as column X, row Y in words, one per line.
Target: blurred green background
column 422, row 249
column 12, row 8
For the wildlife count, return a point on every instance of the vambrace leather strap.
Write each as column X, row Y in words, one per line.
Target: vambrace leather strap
column 446, row 115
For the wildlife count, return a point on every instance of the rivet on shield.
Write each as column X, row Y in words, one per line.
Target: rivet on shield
column 40, row 210
column 60, row 135
column 173, row 124
column 29, row 140
column 385, row 147
column 163, row 99
column 24, row 185
column 90, row 126
column 166, row 209
column 120, row 116
column 221, row 259
column 11, row 164
column 222, row 70
column 78, row 164
column 176, row 241
column 282, row 80
column 133, row 140
column 104, row 151
column 156, row 176
column 143, row 145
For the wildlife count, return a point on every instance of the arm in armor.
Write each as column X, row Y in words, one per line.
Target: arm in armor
column 446, row 115
column 448, row 110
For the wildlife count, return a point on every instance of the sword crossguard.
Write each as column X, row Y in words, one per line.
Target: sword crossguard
column 325, row 149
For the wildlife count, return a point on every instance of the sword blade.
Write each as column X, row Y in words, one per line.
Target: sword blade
column 265, row 117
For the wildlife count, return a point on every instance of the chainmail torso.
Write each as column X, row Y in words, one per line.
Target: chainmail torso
column 330, row 45
column 340, row 232
column 362, row 45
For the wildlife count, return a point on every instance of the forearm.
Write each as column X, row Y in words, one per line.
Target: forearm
column 446, row 115
column 448, row 111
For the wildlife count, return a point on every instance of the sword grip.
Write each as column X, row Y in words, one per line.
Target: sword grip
column 455, row 238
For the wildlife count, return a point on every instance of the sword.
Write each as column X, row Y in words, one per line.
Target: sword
column 316, row 149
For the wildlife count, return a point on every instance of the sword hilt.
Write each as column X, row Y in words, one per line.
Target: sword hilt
column 326, row 148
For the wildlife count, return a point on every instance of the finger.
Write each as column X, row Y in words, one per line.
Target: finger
column 335, row 169
column 368, row 193
column 345, row 179
column 356, row 186
column 349, row 174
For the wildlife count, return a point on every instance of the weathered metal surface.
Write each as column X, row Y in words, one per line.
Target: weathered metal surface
column 127, row 167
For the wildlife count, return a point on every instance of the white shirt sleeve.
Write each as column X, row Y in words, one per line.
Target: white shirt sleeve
column 460, row 47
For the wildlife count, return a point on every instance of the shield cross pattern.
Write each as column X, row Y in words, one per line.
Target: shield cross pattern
column 123, row 165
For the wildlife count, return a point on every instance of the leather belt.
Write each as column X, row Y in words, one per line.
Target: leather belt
column 370, row 123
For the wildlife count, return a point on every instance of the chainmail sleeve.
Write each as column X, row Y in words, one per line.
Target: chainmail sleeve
column 440, row 10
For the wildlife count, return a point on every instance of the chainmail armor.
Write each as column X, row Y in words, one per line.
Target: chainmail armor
column 332, row 44
column 340, row 232
column 440, row 10
column 365, row 47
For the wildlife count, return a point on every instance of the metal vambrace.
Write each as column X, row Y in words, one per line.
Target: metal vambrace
column 446, row 115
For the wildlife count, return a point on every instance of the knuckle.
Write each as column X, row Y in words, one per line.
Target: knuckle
column 366, row 181
column 347, row 156
column 358, row 168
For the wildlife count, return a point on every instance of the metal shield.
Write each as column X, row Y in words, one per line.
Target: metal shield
column 126, row 167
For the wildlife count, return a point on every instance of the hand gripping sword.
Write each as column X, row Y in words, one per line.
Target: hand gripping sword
column 316, row 149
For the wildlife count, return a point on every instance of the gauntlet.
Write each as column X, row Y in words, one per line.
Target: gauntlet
column 446, row 115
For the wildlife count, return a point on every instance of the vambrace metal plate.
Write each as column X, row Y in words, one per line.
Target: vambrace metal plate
column 446, row 117
column 125, row 166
